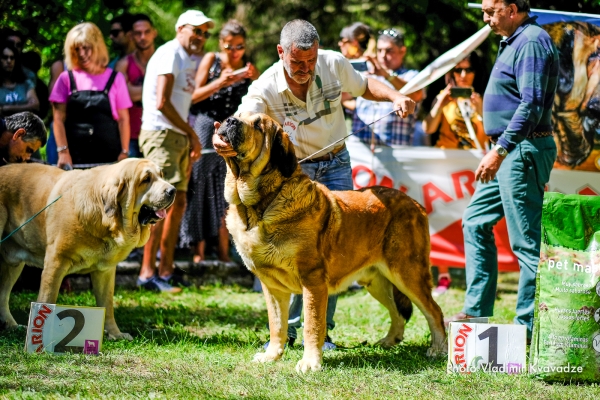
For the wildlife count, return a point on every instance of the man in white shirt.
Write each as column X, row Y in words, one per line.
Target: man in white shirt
column 305, row 89
column 167, row 139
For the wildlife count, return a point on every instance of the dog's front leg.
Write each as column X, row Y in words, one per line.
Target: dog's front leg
column 278, row 304
column 55, row 270
column 315, row 308
column 103, row 284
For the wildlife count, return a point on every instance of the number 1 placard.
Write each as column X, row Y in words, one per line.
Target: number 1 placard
column 489, row 348
column 63, row 329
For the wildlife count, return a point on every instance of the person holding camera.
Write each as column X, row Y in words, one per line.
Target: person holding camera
column 222, row 80
column 446, row 116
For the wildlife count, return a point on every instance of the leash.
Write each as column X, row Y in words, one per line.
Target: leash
column 347, row 136
column 30, row 219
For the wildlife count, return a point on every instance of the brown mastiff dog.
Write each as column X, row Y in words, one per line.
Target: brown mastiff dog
column 299, row 237
column 103, row 213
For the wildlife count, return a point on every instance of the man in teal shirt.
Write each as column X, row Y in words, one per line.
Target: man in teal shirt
column 517, row 110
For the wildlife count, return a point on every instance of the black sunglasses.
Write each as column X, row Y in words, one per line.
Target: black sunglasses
column 8, row 58
column 460, row 70
column 238, row 47
column 200, row 32
column 115, row 32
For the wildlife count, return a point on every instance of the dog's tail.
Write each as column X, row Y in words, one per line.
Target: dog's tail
column 403, row 304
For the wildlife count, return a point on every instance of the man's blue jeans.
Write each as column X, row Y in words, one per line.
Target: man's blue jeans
column 516, row 193
column 336, row 175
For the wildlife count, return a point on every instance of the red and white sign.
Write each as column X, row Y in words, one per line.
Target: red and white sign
column 443, row 181
column 64, row 329
column 483, row 347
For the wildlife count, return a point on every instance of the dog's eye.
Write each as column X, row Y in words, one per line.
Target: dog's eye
column 258, row 124
column 147, row 179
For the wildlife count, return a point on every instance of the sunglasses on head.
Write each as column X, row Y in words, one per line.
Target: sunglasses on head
column 391, row 33
column 460, row 70
column 115, row 32
column 238, row 47
column 199, row 32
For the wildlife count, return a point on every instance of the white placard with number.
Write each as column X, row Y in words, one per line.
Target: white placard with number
column 493, row 348
column 64, row 329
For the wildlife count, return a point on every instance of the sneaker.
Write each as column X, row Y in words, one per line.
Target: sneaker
column 156, row 284
column 290, row 342
column 328, row 345
column 442, row 287
column 176, row 280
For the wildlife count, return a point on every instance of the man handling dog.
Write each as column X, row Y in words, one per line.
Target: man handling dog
column 302, row 92
column 517, row 111
column 21, row 135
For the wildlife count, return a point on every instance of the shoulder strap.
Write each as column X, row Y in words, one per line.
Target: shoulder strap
column 72, row 81
column 215, row 65
column 110, row 82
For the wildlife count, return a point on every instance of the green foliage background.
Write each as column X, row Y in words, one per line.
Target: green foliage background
column 431, row 26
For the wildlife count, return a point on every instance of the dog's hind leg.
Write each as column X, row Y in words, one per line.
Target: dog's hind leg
column 103, row 285
column 278, row 304
column 8, row 276
column 383, row 291
column 419, row 292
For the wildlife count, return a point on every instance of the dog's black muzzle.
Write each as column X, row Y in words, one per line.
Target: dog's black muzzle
column 231, row 132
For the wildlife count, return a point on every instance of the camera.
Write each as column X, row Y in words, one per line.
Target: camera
column 359, row 65
column 463, row 92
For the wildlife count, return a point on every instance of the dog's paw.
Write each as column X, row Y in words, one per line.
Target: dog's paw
column 388, row 342
column 309, row 364
column 266, row 357
column 120, row 336
column 9, row 324
column 436, row 351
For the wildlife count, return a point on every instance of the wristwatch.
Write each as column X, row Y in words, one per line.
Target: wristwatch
column 391, row 76
column 502, row 152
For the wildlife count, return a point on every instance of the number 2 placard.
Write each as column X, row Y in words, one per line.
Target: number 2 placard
column 64, row 329
column 489, row 348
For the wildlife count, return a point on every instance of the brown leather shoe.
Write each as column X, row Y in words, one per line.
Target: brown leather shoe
column 456, row 317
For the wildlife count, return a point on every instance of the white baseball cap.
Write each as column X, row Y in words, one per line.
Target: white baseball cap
column 194, row 18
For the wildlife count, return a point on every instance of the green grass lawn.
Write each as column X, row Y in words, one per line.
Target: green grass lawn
column 200, row 343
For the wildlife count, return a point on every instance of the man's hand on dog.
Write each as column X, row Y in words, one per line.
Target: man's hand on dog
column 223, row 148
column 488, row 167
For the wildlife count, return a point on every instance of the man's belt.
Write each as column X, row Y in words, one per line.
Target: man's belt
column 327, row 157
column 532, row 135
column 535, row 135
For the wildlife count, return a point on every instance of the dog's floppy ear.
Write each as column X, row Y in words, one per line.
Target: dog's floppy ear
column 111, row 192
column 283, row 156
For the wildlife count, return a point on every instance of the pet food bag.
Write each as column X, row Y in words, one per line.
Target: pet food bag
column 566, row 333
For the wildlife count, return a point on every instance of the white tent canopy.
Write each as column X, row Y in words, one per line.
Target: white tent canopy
column 445, row 62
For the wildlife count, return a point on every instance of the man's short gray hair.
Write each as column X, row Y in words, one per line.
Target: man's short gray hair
column 299, row 33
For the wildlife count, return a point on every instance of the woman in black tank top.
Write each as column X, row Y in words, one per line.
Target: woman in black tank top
column 85, row 129
column 218, row 94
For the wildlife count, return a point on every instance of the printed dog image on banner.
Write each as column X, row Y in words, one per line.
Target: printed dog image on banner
column 576, row 112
